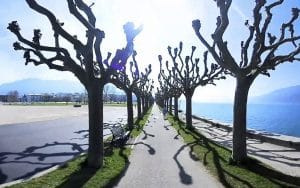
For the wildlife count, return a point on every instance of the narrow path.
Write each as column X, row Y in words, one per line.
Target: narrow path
column 161, row 159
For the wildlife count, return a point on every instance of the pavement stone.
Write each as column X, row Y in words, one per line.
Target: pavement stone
column 161, row 159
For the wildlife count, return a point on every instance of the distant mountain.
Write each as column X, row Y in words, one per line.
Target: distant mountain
column 37, row 86
column 289, row 95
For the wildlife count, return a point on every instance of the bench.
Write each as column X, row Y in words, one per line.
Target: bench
column 119, row 135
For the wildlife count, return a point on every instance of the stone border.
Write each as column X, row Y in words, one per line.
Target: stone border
column 288, row 141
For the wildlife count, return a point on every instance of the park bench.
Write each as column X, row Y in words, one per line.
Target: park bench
column 119, row 135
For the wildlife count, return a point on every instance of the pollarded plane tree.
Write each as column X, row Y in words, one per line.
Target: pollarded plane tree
column 189, row 76
column 127, row 81
column 164, row 90
column 260, row 52
column 138, row 90
column 174, row 91
column 147, row 98
column 159, row 99
column 88, row 66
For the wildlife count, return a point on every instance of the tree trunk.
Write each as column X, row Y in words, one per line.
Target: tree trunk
column 167, row 103
column 239, row 147
column 95, row 106
column 143, row 105
column 146, row 105
column 188, row 111
column 129, row 110
column 170, row 105
column 139, row 107
column 176, row 107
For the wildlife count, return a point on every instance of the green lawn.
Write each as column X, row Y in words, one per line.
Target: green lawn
column 116, row 104
column 216, row 159
column 76, row 174
column 139, row 124
column 42, row 104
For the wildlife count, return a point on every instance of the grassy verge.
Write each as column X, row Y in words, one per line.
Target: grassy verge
column 115, row 104
column 76, row 174
column 216, row 159
column 42, row 104
column 139, row 124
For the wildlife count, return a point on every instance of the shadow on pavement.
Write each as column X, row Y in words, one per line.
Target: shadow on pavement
column 219, row 163
column 184, row 177
column 151, row 150
column 3, row 177
column 35, row 159
column 146, row 135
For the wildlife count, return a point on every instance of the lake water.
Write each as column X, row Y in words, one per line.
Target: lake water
column 274, row 118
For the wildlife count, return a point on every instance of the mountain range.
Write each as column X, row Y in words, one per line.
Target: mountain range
column 288, row 95
column 37, row 86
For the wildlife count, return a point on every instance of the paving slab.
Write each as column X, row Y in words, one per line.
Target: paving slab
column 161, row 159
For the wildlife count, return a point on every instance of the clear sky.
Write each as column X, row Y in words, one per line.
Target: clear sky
column 166, row 22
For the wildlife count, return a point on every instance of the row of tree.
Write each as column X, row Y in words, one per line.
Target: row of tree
column 89, row 66
column 261, row 51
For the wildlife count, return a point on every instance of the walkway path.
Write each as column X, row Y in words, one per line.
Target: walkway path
column 283, row 159
column 160, row 159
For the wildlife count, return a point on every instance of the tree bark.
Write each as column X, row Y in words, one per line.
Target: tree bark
column 170, row 105
column 176, row 107
column 95, row 106
column 143, row 105
column 146, row 105
column 188, row 111
column 167, row 103
column 239, row 145
column 139, row 107
column 129, row 110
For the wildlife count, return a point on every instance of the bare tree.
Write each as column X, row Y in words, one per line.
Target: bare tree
column 127, row 82
column 260, row 52
column 88, row 66
column 139, row 89
column 171, row 87
column 106, row 91
column 188, row 76
column 13, row 96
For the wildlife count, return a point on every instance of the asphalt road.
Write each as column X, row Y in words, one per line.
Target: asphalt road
column 28, row 148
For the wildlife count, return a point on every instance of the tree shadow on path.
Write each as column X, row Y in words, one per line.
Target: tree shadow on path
column 217, row 156
column 151, row 150
column 35, row 159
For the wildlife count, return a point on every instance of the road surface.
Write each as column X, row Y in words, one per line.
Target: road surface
column 28, row 148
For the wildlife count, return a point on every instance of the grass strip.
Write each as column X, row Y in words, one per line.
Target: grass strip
column 139, row 124
column 42, row 104
column 115, row 104
column 216, row 158
column 76, row 174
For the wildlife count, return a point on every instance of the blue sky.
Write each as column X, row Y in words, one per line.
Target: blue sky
column 166, row 22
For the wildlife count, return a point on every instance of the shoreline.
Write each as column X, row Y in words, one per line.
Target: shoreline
column 263, row 136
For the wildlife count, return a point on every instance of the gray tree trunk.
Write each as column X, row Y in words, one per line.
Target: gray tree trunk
column 176, row 107
column 143, row 105
column 170, row 105
column 95, row 106
column 188, row 109
column 239, row 147
column 139, row 107
column 129, row 110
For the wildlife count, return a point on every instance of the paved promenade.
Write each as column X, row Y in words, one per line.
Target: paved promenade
column 283, row 159
column 160, row 159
